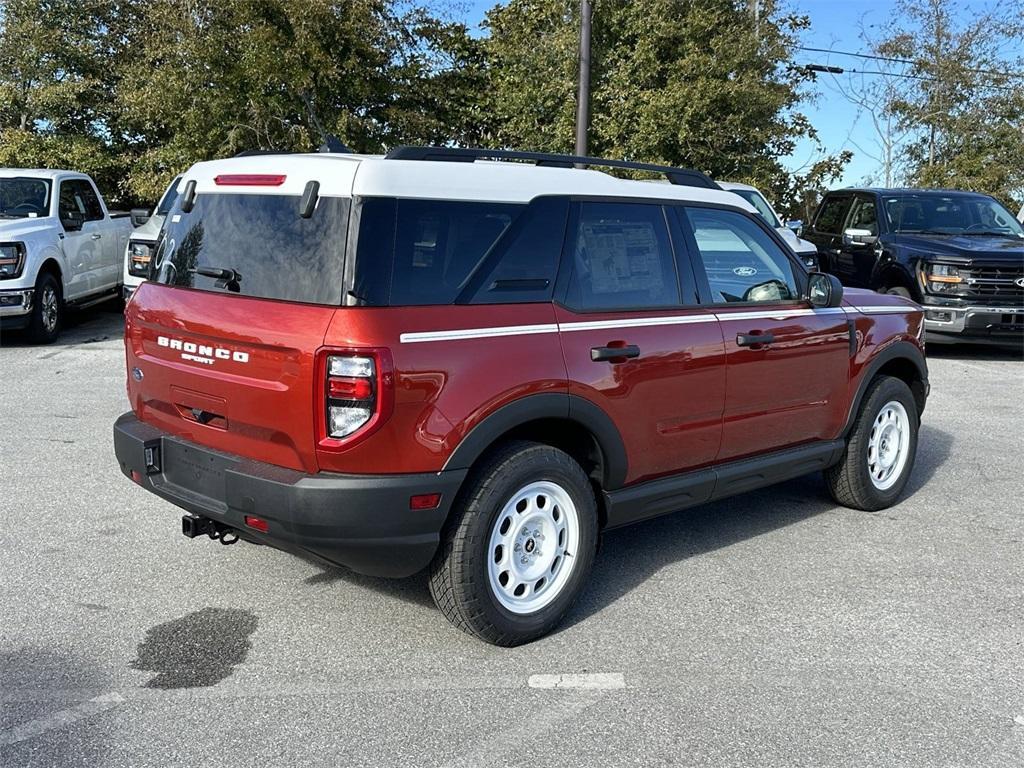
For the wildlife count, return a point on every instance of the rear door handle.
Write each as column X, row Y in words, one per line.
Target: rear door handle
column 753, row 339
column 614, row 354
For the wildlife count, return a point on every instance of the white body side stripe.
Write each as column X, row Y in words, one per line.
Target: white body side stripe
column 639, row 322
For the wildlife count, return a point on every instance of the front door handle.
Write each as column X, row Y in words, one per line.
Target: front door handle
column 753, row 339
column 95, row 236
column 614, row 354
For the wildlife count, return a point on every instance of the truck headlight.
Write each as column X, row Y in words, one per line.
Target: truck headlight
column 942, row 278
column 139, row 256
column 12, row 260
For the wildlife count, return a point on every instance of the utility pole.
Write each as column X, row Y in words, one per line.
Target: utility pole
column 583, row 99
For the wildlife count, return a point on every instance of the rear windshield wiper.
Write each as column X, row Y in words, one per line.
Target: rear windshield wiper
column 226, row 278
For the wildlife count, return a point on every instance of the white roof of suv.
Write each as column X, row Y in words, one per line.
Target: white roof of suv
column 375, row 176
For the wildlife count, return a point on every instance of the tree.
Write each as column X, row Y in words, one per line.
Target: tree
column 696, row 84
column 963, row 104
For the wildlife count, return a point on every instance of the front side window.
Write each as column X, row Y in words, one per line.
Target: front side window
column 864, row 215
column 167, row 201
column 78, row 196
column 256, row 245
column 830, row 217
column 420, row 252
column 742, row 263
column 621, row 258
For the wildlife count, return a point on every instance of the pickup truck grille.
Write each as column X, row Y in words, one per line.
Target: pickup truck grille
column 994, row 282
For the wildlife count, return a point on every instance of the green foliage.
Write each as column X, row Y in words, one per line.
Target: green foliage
column 673, row 81
column 965, row 110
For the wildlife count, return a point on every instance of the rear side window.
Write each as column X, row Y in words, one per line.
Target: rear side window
column 256, row 245
column 830, row 217
column 621, row 258
column 419, row 252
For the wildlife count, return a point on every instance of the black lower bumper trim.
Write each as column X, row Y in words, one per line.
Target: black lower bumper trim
column 362, row 522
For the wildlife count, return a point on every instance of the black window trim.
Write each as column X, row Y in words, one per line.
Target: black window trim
column 565, row 269
column 859, row 197
column 800, row 271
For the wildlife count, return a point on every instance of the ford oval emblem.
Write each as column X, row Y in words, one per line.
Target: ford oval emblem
column 744, row 271
column 137, row 374
column 1019, row 282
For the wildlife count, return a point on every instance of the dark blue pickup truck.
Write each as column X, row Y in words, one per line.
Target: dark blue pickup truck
column 959, row 254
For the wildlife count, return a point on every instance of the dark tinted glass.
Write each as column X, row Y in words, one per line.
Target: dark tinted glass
column 167, row 201
column 418, row 252
column 622, row 258
column 830, row 218
column 864, row 215
column 522, row 268
column 23, row 197
column 77, row 195
column 741, row 260
column 274, row 252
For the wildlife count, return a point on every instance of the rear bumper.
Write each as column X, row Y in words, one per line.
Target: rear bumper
column 998, row 324
column 362, row 522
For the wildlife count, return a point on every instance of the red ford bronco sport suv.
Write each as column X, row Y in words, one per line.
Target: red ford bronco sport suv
column 475, row 361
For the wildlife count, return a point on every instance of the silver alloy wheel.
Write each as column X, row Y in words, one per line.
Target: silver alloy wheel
column 888, row 445
column 532, row 547
column 48, row 308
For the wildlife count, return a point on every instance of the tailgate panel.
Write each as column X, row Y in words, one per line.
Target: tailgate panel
column 233, row 373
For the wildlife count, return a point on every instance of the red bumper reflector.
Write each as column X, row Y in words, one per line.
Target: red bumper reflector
column 258, row 523
column 425, row 501
column 137, row 476
column 249, row 180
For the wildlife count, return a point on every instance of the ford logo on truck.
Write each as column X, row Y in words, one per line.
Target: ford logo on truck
column 202, row 353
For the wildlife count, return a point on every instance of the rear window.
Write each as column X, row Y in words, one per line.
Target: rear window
column 418, row 252
column 256, row 245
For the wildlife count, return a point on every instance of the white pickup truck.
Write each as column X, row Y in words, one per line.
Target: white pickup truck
column 59, row 247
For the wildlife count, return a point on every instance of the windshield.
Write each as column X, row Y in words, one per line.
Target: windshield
column 952, row 214
column 22, row 197
column 256, row 245
column 167, row 201
column 754, row 197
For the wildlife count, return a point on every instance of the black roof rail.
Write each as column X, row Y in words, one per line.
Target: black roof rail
column 682, row 176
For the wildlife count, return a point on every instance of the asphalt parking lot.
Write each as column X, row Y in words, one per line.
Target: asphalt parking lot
column 771, row 629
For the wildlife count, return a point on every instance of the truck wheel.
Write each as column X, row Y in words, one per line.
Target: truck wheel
column 44, row 326
column 520, row 545
column 899, row 290
column 880, row 451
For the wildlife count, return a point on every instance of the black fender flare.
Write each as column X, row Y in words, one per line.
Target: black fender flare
column 904, row 350
column 549, row 405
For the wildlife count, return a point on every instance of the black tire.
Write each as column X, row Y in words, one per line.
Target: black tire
column 899, row 290
column 459, row 575
column 850, row 481
column 44, row 327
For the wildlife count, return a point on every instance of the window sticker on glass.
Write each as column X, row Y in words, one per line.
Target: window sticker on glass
column 623, row 257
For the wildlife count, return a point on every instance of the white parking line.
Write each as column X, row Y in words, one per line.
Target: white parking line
column 598, row 681
column 60, row 719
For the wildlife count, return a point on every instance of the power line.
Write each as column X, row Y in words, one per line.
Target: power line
column 841, row 71
column 895, row 60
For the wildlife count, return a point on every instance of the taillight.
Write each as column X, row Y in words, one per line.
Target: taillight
column 249, row 179
column 357, row 394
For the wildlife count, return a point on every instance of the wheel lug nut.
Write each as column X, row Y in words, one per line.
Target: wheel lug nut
column 517, row 547
column 524, row 560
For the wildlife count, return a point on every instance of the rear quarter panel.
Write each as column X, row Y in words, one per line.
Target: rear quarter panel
column 444, row 385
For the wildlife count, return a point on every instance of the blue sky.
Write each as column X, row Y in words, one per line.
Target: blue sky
column 835, row 24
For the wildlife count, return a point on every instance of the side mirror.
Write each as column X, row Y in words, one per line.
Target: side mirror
column 72, row 221
column 140, row 216
column 857, row 237
column 797, row 226
column 824, row 290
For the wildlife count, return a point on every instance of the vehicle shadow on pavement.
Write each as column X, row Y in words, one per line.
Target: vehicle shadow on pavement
column 630, row 556
column 975, row 352
column 99, row 323
column 44, row 693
